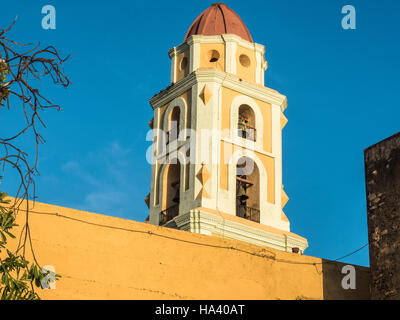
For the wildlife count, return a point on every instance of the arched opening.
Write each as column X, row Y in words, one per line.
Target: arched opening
column 247, row 123
column 171, row 194
column 173, row 124
column 183, row 64
column 247, row 190
column 213, row 56
column 244, row 60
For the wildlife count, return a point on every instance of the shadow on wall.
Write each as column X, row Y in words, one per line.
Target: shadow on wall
column 333, row 278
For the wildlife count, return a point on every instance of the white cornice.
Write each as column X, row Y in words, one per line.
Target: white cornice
column 177, row 50
column 199, row 221
column 226, row 80
column 173, row 91
column 216, row 39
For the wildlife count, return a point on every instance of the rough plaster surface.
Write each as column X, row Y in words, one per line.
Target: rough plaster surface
column 382, row 172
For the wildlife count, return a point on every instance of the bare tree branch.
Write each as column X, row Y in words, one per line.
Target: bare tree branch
column 22, row 67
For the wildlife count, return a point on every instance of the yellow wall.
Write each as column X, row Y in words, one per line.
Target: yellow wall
column 243, row 72
column 205, row 49
column 246, row 73
column 111, row 258
column 182, row 70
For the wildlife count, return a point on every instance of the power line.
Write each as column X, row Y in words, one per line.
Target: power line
column 354, row 252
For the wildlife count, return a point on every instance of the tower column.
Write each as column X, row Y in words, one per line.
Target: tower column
column 230, row 54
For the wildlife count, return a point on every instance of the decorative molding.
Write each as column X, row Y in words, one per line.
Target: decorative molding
column 205, row 223
column 284, row 197
column 284, row 121
column 221, row 39
column 203, row 176
column 205, row 94
column 229, row 81
column 171, row 92
column 181, row 104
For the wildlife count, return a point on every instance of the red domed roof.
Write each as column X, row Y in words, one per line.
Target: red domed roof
column 219, row 19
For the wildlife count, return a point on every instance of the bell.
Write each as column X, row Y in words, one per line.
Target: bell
column 147, row 200
column 176, row 198
column 241, row 193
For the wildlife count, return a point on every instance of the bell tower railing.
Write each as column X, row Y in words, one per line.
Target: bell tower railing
column 246, row 131
column 248, row 213
column 168, row 214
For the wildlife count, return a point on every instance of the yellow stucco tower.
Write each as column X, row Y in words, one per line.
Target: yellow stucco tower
column 217, row 147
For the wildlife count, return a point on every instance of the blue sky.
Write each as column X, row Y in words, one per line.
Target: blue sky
column 342, row 88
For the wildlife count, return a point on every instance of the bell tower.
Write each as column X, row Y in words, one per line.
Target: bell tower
column 217, row 139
